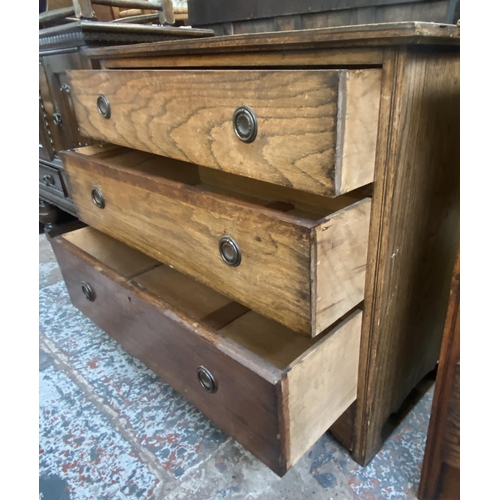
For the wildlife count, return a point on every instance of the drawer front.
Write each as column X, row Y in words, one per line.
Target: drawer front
column 51, row 179
column 276, row 413
column 313, row 130
column 275, row 271
column 244, row 405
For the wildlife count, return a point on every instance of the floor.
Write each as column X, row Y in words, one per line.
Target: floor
column 111, row 429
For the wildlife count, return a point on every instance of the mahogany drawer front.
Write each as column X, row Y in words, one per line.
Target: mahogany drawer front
column 315, row 131
column 51, row 179
column 274, row 391
column 302, row 269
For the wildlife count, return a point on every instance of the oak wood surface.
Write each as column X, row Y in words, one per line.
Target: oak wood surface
column 353, row 57
column 124, row 260
column 267, row 338
column 413, row 234
column 170, row 344
column 380, row 34
column 414, row 216
column 359, row 141
column 341, row 247
column 252, row 394
column 189, row 116
column 181, row 225
column 182, row 292
column 322, row 385
column 440, row 478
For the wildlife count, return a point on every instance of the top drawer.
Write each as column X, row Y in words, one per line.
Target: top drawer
column 313, row 130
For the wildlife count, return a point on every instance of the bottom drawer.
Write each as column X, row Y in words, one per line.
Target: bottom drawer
column 274, row 391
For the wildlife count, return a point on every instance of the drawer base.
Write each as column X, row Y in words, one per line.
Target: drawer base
column 274, row 391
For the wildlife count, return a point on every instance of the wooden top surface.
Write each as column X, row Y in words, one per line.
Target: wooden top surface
column 381, row 34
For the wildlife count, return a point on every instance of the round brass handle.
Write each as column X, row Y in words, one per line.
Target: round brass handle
column 245, row 124
column 88, row 292
column 48, row 180
column 97, row 197
column 206, row 379
column 103, row 106
column 230, row 251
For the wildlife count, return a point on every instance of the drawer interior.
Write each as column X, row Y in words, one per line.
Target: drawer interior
column 273, row 390
column 303, row 205
column 264, row 337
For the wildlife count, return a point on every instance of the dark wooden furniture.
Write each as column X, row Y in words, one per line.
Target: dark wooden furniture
column 275, row 391
column 302, row 176
column 441, row 469
column 228, row 17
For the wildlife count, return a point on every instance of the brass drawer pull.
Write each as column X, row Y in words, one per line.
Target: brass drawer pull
column 88, row 292
column 230, row 251
column 206, row 379
column 97, row 198
column 103, row 106
column 245, row 124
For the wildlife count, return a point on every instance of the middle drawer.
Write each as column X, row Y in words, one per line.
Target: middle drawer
column 297, row 258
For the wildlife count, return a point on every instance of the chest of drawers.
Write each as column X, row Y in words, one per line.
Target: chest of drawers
column 273, row 220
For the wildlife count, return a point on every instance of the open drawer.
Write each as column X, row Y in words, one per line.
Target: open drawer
column 312, row 129
column 297, row 258
column 274, row 391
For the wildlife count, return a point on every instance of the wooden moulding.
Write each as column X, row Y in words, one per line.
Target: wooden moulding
column 316, row 129
column 303, row 256
column 341, row 37
column 277, row 392
column 277, row 58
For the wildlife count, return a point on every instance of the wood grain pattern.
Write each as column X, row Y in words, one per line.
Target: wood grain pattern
column 181, row 225
column 308, row 202
column 289, row 58
column 180, row 291
column 372, row 35
column 124, row 260
column 322, row 385
column 440, row 478
column 171, row 345
column 188, row 116
column 267, row 338
column 414, row 214
column 343, row 428
column 414, row 233
column 340, row 261
column 358, row 146
column 252, row 393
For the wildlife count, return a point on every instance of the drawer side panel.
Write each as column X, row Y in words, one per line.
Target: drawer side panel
column 322, row 385
column 357, row 144
column 340, row 267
